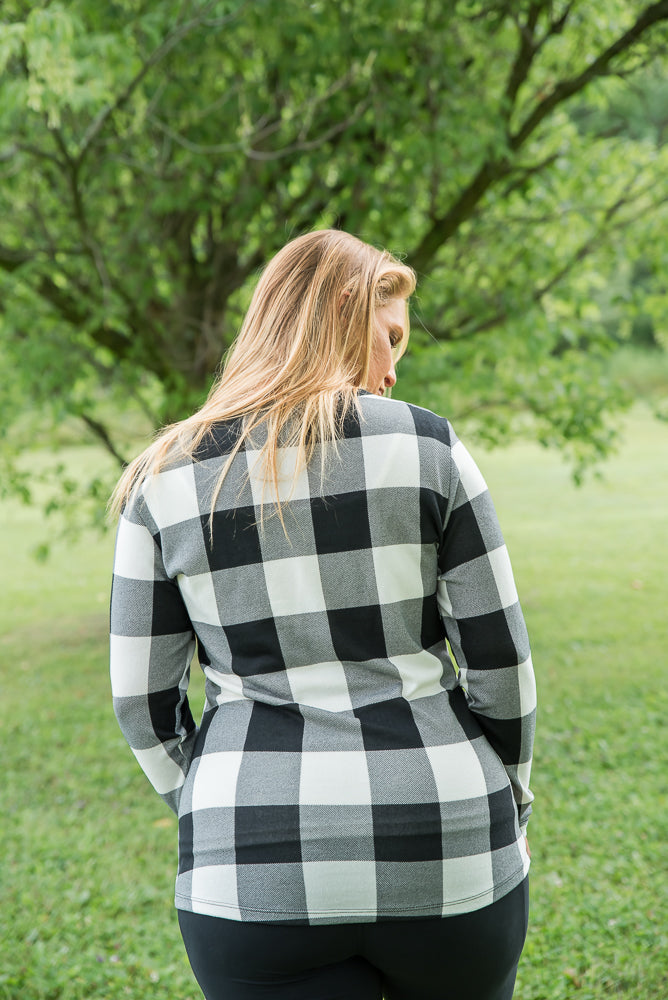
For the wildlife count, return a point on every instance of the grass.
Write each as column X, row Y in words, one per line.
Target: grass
column 592, row 568
column 89, row 851
column 643, row 373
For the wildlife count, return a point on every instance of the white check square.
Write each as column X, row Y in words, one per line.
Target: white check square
column 443, row 598
column 524, row 774
column 420, row 674
column 468, row 878
column 391, row 460
column 172, row 496
column 215, row 783
column 199, row 598
column 294, row 586
column 469, row 473
column 164, row 774
column 129, row 658
column 231, row 686
column 135, row 551
column 457, row 772
column 398, row 572
column 340, row 887
column 290, row 487
column 503, row 576
column 321, row 685
column 334, row 778
column 219, row 883
column 527, row 684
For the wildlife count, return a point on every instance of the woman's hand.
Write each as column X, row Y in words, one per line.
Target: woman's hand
column 526, row 841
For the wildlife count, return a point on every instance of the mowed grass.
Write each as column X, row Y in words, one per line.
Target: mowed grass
column 89, row 852
column 592, row 571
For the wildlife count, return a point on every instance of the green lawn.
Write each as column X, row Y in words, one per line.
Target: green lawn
column 89, row 852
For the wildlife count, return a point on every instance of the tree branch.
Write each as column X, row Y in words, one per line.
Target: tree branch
column 520, row 174
column 72, row 170
column 599, row 67
column 100, row 432
column 444, row 226
column 73, row 312
column 247, row 144
column 11, row 260
column 175, row 36
column 464, row 331
column 524, row 56
column 307, row 145
column 556, row 27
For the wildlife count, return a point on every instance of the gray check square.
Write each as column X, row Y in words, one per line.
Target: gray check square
column 342, row 472
column 259, row 785
column 292, row 538
column 348, row 579
column 336, row 832
column 394, row 516
column 272, row 892
column 400, row 776
column 305, row 639
column 241, row 594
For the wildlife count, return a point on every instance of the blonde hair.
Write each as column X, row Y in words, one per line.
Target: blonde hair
column 303, row 351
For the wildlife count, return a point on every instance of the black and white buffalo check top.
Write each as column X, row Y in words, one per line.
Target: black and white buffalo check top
column 344, row 770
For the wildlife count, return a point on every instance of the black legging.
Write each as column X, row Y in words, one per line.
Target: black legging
column 471, row 956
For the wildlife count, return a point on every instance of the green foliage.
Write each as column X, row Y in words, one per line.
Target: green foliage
column 153, row 156
column 89, row 851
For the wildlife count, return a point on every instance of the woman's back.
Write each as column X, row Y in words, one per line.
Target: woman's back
column 339, row 774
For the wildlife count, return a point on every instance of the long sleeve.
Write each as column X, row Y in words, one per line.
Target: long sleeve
column 151, row 647
column 484, row 625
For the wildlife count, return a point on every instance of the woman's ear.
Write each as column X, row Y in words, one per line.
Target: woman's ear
column 344, row 298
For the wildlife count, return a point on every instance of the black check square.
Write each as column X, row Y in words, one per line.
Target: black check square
column 163, row 707
column 462, row 540
column 341, row 523
column 433, row 508
column 388, row 725
column 236, row 539
column 432, row 630
column 219, row 440
column 267, row 835
column 169, row 612
column 505, row 735
column 407, row 832
column 186, row 843
column 254, row 647
column 357, row 633
column 488, row 641
column 275, row 729
column 463, row 714
column 503, row 830
column 430, row 425
column 351, row 424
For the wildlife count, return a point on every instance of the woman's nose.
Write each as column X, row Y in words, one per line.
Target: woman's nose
column 391, row 377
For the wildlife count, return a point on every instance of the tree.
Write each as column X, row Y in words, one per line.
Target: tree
column 154, row 155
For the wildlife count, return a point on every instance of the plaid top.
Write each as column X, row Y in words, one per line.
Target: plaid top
column 344, row 769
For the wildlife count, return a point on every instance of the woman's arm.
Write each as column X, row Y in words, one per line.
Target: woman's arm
column 151, row 647
column 484, row 624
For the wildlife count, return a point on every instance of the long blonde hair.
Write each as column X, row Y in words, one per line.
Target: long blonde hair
column 303, row 350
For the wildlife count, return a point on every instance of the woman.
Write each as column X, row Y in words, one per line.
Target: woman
column 353, row 807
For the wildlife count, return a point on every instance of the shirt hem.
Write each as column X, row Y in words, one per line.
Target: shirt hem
column 466, row 904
